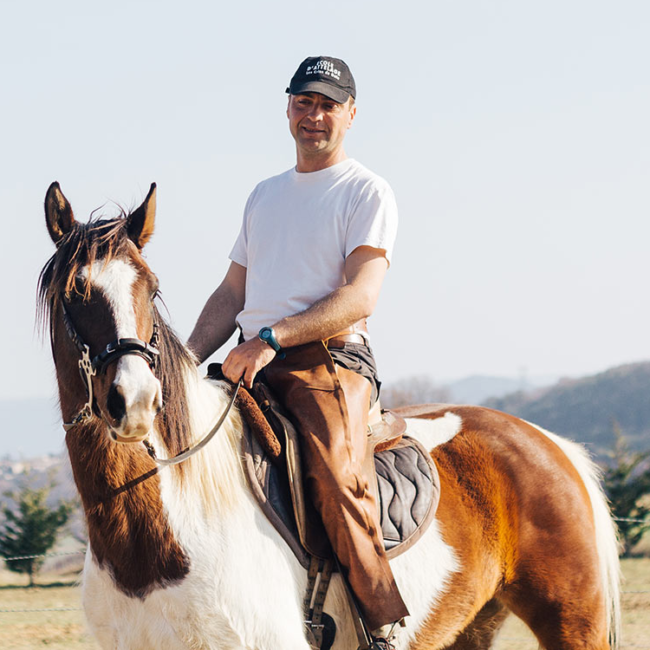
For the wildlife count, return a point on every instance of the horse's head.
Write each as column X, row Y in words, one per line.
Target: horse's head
column 99, row 292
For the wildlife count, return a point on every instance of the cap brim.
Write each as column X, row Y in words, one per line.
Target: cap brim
column 321, row 87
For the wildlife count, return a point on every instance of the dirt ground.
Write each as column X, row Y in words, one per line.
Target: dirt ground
column 64, row 629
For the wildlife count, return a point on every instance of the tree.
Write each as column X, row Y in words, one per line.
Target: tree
column 30, row 528
column 626, row 482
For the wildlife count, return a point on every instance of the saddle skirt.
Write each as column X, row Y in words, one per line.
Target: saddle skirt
column 402, row 476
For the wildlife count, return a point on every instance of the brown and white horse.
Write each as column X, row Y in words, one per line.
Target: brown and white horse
column 184, row 558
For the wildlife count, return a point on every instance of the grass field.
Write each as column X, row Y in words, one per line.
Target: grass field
column 65, row 630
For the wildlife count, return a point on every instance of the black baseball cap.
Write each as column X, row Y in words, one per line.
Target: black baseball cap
column 325, row 75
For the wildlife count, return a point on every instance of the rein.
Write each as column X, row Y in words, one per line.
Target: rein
column 179, row 458
column 88, row 368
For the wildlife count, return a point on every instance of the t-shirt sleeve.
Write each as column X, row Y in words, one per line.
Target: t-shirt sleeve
column 239, row 252
column 374, row 220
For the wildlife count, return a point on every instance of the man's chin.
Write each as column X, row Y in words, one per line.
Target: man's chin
column 313, row 144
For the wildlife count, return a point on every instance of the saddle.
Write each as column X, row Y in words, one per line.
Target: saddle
column 400, row 472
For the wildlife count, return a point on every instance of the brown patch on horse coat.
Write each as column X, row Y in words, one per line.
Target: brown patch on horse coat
column 508, row 507
column 128, row 531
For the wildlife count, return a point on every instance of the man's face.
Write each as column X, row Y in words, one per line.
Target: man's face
column 318, row 124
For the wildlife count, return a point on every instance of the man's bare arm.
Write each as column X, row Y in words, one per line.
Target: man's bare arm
column 216, row 322
column 365, row 269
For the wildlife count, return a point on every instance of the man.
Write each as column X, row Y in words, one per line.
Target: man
column 305, row 273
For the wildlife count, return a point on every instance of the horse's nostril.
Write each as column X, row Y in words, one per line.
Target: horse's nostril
column 115, row 404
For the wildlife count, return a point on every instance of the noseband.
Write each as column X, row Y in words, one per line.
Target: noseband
column 88, row 367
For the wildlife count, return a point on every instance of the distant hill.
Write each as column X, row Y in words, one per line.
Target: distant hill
column 588, row 409
column 478, row 388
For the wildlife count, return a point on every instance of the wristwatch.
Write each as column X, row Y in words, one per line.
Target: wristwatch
column 267, row 335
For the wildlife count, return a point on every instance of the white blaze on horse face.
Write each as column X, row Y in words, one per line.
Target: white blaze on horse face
column 137, row 384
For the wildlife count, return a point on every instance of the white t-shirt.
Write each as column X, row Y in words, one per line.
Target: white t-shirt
column 298, row 228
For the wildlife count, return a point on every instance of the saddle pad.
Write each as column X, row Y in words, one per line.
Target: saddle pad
column 408, row 489
column 408, row 494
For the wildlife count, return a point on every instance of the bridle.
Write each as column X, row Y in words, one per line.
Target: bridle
column 88, row 367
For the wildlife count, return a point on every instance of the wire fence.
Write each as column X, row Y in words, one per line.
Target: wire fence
column 34, row 557
column 79, row 609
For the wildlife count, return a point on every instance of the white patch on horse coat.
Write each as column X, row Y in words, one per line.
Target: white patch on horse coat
column 422, row 574
column 432, row 433
column 140, row 389
column 115, row 280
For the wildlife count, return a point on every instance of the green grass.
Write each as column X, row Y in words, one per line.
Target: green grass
column 65, row 630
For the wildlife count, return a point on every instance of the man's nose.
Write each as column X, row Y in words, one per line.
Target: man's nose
column 316, row 113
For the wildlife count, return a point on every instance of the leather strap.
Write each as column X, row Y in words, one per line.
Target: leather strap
column 314, row 615
column 353, row 334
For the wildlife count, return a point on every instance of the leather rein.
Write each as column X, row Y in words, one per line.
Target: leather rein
column 88, row 368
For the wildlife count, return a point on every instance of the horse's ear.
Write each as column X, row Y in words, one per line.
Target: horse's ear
column 141, row 221
column 58, row 213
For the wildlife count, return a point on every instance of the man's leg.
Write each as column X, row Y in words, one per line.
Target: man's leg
column 333, row 436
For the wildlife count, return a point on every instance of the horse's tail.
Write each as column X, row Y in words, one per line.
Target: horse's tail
column 606, row 531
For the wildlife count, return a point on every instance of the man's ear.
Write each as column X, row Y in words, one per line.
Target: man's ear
column 353, row 113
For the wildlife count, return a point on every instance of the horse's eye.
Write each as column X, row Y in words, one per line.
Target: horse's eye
column 75, row 295
column 155, row 289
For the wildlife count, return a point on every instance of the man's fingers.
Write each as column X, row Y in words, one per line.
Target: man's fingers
column 229, row 371
column 249, row 376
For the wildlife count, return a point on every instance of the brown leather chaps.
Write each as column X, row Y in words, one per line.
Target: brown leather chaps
column 330, row 407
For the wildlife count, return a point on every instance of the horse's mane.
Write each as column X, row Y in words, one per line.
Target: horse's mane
column 105, row 240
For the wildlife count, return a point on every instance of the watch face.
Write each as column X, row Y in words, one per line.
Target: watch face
column 266, row 334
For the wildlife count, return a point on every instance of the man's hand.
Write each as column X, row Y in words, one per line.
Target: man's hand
column 246, row 360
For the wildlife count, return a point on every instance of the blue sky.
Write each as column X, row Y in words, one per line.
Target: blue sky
column 515, row 135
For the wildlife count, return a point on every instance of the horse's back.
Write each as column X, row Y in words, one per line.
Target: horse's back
column 517, row 512
column 491, row 451
column 511, row 478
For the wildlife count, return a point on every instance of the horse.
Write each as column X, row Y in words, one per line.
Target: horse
column 182, row 556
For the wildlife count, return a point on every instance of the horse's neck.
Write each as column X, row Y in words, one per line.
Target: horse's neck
column 211, row 482
column 139, row 517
